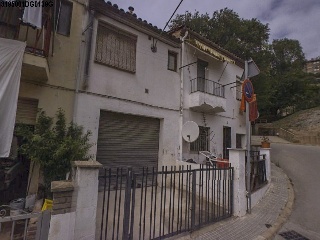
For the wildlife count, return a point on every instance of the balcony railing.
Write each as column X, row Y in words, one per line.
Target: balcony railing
column 11, row 27
column 207, row 86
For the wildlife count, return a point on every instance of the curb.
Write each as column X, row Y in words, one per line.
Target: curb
column 283, row 216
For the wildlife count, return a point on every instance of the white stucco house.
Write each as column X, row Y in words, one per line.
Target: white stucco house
column 211, row 94
column 140, row 85
column 130, row 99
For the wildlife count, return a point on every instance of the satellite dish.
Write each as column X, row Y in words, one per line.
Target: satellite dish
column 190, row 131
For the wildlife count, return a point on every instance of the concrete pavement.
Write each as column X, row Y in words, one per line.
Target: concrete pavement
column 265, row 220
column 301, row 163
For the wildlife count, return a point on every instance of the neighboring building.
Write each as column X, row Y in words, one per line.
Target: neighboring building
column 130, row 98
column 211, row 94
column 50, row 61
column 312, row 66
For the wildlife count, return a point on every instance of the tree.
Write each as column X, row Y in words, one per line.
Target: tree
column 54, row 147
column 240, row 36
column 288, row 56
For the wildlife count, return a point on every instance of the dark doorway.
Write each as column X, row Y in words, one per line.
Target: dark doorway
column 226, row 141
column 201, row 75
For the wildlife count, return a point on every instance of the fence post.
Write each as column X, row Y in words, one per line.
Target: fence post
column 237, row 160
column 86, row 182
column 193, row 208
column 266, row 152
column 63, row 213
column 126, row 212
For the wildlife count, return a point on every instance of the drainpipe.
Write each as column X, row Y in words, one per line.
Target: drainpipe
column 181, row 94
column 88, row 55
column 84, row 60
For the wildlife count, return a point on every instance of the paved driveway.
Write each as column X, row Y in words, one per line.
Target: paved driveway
column 302, row 165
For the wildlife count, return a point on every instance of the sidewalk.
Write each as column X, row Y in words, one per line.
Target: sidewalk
column 266, row 217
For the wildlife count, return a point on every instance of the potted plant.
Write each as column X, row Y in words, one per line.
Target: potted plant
column 265, row 142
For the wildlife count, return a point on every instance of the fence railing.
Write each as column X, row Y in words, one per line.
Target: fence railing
column 280, row 132
column 159, row 204
column 206, row 86
column 19, row 226
column 258, row 173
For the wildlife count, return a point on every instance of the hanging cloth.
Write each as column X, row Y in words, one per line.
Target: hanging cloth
column 253, row 109
column 243, row 104
column 33, row 15
column 11, row 55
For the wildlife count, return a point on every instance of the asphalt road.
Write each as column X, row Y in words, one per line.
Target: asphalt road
column 302, row 165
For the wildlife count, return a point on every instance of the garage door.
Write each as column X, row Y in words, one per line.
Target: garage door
column 128, row 141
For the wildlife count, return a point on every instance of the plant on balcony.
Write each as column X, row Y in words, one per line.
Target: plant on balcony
column 54, row 146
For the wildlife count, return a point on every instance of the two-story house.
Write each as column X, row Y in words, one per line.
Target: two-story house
column 143, row 84
column 211, row 90
column 129, row 99
column 52, row 33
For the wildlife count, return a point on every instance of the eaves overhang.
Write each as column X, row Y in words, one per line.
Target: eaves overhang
column 131, row 20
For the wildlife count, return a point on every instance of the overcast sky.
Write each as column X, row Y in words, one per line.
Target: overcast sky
column 294, row 19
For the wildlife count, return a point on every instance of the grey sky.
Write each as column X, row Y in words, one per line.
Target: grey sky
column 293, row 19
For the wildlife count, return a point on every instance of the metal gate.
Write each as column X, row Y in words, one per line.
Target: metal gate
column 159, row 204
column 24, row 226
column 258, row 174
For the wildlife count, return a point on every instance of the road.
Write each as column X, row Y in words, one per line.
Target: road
column 302, row 165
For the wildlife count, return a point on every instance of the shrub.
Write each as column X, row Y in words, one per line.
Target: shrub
column 54, row 146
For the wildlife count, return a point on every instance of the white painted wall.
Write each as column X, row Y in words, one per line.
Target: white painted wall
column 151, row 73
column 89, row 114
column 62, row 226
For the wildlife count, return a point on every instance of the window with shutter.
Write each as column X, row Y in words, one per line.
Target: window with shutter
column 116, row 48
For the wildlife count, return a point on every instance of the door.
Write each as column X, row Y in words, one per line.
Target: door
column 226, row 141
column 201, row 75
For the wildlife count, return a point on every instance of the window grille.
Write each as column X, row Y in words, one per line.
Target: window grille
column 116, row 48
column 202, row 143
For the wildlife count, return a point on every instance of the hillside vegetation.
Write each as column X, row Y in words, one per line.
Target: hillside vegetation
column 302, row 123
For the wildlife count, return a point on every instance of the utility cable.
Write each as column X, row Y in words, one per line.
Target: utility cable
column 155, row 45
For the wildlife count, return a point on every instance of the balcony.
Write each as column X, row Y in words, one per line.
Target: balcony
column 35, row 66
column 206, row 96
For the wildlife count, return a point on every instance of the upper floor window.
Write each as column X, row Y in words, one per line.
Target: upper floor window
column 201, row 75
column 63, row 16
column 172, row 61
column 116, row 48
column 202, row 142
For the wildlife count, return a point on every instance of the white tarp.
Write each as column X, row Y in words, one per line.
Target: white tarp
column 11, row 55
column 33, row 15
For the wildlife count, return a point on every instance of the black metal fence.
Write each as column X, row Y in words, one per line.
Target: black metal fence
column 159, row 204
column 258, row 175
column 207, row 86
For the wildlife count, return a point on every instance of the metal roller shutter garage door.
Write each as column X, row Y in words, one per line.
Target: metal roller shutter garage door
column 128, row 141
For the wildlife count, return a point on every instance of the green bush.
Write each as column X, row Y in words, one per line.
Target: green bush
column 54, row 146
